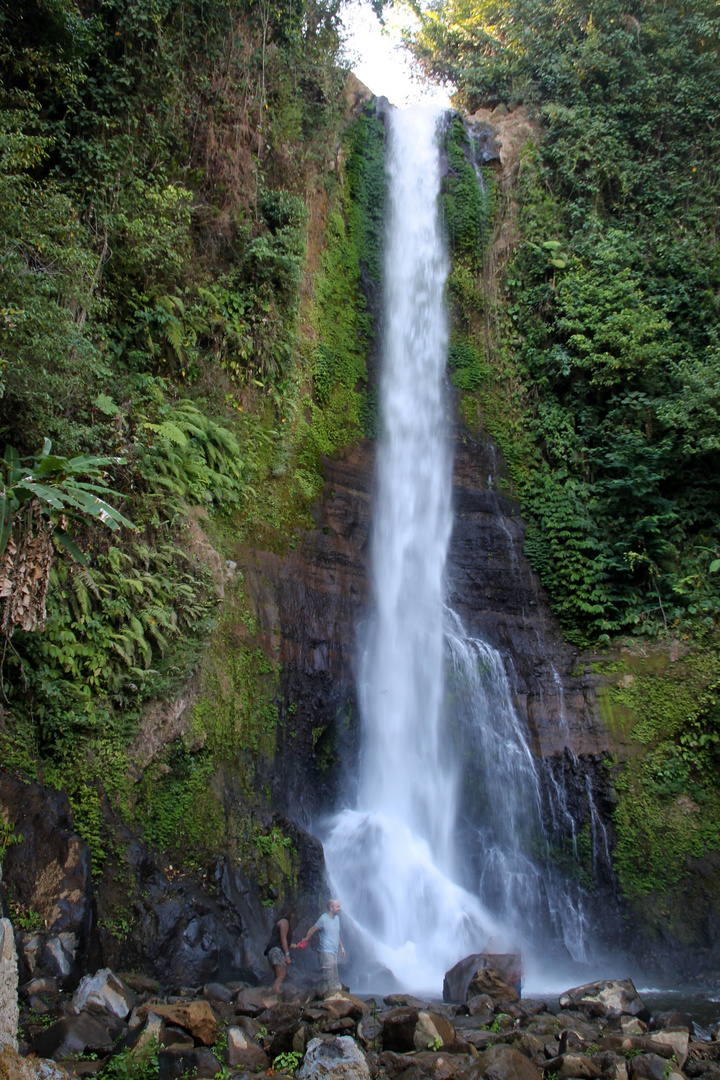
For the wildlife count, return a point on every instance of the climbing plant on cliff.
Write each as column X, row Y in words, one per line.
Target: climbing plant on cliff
column 605, row 391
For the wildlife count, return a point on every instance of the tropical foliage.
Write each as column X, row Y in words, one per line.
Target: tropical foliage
column 606, row 350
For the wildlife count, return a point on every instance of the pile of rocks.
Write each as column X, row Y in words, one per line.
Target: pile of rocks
column 599, row 1030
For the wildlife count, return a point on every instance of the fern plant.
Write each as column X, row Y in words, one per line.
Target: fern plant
column 192, row 458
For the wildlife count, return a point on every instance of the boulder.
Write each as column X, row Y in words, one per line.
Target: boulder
column 59, row 955
column 653, row 1067
column 393, row 1065
column 140, row 984
column 433, row 1032
column 609, row 998
column 44, row 985
column 196, row 1017
column 441, row 1066
column 338, row 1027
column 488, row 980
column 104, row 991
column 481, row 1006
column 245, row 1052
column 334, row 1059
column 369, row 1031
column 251, row 1027
column 217, row 992
column 627, row 1025
column 573, row 1065
column 399, row 1001
column 502, row 1063
column 152, row 1030
column 199, row 1062
column 73, row 1035
column 254, row 1000
column 291, row 1039
column 280, row 1015
column 407, row 1029
column 646, row 1044
column 174, row 1038
column 9, row 1013
column 674, row 1020
column 340, row 1005
column 457, row 979
column 49, row 873
column 677, row 1038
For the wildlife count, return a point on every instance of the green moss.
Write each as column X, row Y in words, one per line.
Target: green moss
column 342, row 408
column 468, row 369
column 177, row 808
column 669, row 795
column 467, row 198
column 237, row 713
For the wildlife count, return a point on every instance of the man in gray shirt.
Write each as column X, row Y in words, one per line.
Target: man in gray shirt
column 329, row 945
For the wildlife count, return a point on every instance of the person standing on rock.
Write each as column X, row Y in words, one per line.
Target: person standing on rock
column 278, row 947
column 328, row 925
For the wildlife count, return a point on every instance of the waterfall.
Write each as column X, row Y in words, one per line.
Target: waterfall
column 392, row 859
column 424, row 878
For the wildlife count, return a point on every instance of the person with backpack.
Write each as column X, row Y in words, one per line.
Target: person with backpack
column 278, row 947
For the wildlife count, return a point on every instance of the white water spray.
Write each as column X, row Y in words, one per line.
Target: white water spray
column 393, row 859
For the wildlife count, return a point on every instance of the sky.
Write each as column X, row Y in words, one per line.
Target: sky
column 379, row 60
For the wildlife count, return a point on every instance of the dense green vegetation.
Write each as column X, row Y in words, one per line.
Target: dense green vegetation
column 156, row 162
column 606, row 345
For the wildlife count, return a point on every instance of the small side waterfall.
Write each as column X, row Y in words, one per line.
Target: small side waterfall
column 451, row 840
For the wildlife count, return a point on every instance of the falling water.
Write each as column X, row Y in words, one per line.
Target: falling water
column 431, row 696
column 393, row 858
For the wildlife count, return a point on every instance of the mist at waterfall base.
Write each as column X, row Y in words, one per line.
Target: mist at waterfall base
column 420, row 891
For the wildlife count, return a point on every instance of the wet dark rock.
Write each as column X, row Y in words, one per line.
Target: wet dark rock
column 281, row 1014
column 573, row 1066
column 652, row 1067
column 45, row 985
column 141, row 984
column 502, row 1063
column 408, row 1029
column 441, row 1065
column 369, row 1031
column 199, row 1063
column 217, row 992
column 174, row 1038
column 393, row 1064
column 673, row 1019
column 344, row 1026
column 569, row 1041
column 397, row 1001
column 254, row 1000
column 458, row 978
column 152, row 1029
column 244, row 1051
column 73, row 1035
column 49, row 872
column 608, row 998
column 292, row 1038
column 84, row 1068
